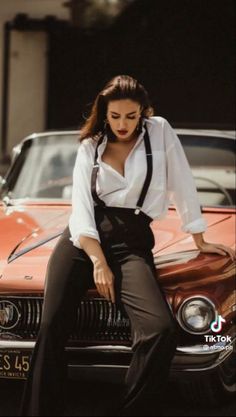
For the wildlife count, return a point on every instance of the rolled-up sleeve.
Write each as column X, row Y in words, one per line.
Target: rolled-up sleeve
column 181, row 187
column 82, row 221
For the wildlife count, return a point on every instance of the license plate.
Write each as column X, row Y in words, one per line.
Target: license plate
column 14, row 364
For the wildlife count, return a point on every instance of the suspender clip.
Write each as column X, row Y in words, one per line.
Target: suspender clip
column 137, row 210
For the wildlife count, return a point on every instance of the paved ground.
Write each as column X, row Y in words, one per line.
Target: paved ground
column 86, row 399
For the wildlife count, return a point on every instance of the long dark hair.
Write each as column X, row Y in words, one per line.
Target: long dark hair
column 118, row 88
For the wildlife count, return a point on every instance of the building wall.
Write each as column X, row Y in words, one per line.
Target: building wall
column 27, row 85
column 27, row 66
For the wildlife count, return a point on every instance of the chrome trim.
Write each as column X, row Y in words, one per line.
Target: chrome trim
column 14, row 255
column 185, row 350
column 175, row 258
column 199, row 349
column 20, row 344
column 51, row 133
column 220, row 358
column 177, row 366
column 178, row 314
column 99, row 366
column 227, row 134
column 202, row 132
column 31, row 297
column 12, row 344
column 100, row 348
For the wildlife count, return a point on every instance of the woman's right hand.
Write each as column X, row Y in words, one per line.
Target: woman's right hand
column 102, row 274
column 104, row 280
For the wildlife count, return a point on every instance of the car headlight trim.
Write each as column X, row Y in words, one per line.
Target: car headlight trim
column 196, row 314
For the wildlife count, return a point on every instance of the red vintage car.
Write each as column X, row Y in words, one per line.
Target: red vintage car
column 200, row 288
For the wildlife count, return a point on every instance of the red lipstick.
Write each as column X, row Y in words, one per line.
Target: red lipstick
column 122, row 132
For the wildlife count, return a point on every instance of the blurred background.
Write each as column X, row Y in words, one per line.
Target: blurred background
column 57, row 54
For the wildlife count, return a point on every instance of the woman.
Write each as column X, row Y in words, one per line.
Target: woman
column 129, row 165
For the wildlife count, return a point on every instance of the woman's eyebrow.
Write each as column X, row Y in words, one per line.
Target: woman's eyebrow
column 128, row 114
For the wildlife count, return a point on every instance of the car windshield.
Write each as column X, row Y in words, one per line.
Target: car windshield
column 212, row 160
column 44, row 167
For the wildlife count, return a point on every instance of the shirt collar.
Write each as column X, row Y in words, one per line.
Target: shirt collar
column 102, row 145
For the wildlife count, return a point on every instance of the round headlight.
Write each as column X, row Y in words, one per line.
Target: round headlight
column 196, row 314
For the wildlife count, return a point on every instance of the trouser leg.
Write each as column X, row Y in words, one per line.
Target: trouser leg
column 154, row 335
column 68, row 277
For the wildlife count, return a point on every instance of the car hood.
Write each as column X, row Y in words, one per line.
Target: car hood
column 29, row 235
column 169, row 237
column 23, row 227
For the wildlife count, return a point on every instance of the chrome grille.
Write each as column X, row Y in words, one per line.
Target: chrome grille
column 30, row 311
column 97, row 320
column 100, row 320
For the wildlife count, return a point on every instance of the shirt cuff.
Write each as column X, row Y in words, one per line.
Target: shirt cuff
column 197, row 226
column 76, row 239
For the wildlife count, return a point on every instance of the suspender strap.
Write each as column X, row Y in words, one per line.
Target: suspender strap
column 147, row 181
column 94, row 177
column 149, row 171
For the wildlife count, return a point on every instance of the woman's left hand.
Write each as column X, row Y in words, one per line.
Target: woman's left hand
column 217, row 248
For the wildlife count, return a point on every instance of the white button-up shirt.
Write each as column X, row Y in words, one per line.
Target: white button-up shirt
column 172, row 182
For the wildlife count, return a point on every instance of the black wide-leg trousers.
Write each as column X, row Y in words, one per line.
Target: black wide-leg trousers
column 69, row 276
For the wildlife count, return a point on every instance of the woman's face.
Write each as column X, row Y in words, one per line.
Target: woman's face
column 123, row 118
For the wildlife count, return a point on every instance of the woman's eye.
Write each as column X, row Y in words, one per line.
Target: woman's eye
column 128, row 117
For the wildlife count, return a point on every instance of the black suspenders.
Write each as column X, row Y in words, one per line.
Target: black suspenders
column 146, row 182
column 149, row 172
column 94, row 178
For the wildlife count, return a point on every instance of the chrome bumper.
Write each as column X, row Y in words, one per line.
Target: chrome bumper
column 196, row 358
